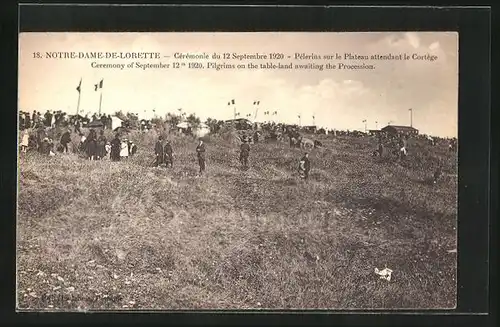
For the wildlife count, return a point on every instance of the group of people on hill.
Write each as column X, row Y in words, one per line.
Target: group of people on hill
column 398, row 143
column 98, row 147
column 60, row 119
column 164, row 156
column 92, row 146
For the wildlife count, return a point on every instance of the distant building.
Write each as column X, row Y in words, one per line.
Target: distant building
column 398, row 130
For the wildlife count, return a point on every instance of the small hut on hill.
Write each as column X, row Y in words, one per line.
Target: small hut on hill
column 400, row 130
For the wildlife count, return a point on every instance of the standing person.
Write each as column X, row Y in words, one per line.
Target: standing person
column 83, row 143
column 52, row 120
column 77, row 125
column 65, row 140
column 159, row 151
column 107, row 147
column 244, row 153
column 92, row 145
column 403, row 143
column 115, row 148
column 27, row 120
column 124, row 149
column 104, row 122
column 132, row 148
column 47, row 119
column 21, row 121
column 304, row 166
column 41, row 134
column 34, row 118
column 200, row 150
column 25, row 141
column 169, row 155
column 39, row 118
column 101, row 145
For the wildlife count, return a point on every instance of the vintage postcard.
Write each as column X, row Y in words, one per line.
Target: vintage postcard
column 167, row 171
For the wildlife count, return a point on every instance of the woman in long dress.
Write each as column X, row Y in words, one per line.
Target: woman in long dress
column 115, row 148
column 92, row 145
column 25, row 141
column 101, row 146
column 124, row 149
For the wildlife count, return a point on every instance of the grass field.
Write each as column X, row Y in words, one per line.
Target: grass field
column 104, row 235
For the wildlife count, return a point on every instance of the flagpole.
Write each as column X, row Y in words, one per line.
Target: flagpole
column 78, row 104
column 79, row 89
column 100, row 103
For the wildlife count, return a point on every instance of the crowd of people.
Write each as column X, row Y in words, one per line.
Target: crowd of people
column 95, row 145
column 61, row 119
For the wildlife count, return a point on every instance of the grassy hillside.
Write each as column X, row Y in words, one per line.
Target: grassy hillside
column 104, row 235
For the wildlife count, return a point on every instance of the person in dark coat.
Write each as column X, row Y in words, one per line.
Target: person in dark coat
column 244, row 153
column 21, row 122
column 40, row 135
column 27, row 120
column 200, row 150
column 159, row 152
column 47, row 119
column 169, row 160
column 115, row 148
column 304, row 166
column 45, row 147
column 101, row 145
column 77, row 126
column 92, row 145
column 132, row 148
column 65, row 140
column 255, row 137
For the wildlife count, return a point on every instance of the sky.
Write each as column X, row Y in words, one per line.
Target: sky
column 340, row 99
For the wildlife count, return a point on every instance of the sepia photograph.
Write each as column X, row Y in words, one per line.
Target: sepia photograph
column 237, row 171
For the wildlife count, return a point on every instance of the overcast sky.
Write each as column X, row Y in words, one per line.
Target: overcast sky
column 339, row 99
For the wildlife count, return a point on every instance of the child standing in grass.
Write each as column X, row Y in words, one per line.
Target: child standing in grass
column 25, row 141
column 124, row 149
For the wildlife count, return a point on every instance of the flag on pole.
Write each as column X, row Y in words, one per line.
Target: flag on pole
column 79, row 87
column 99, row 86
